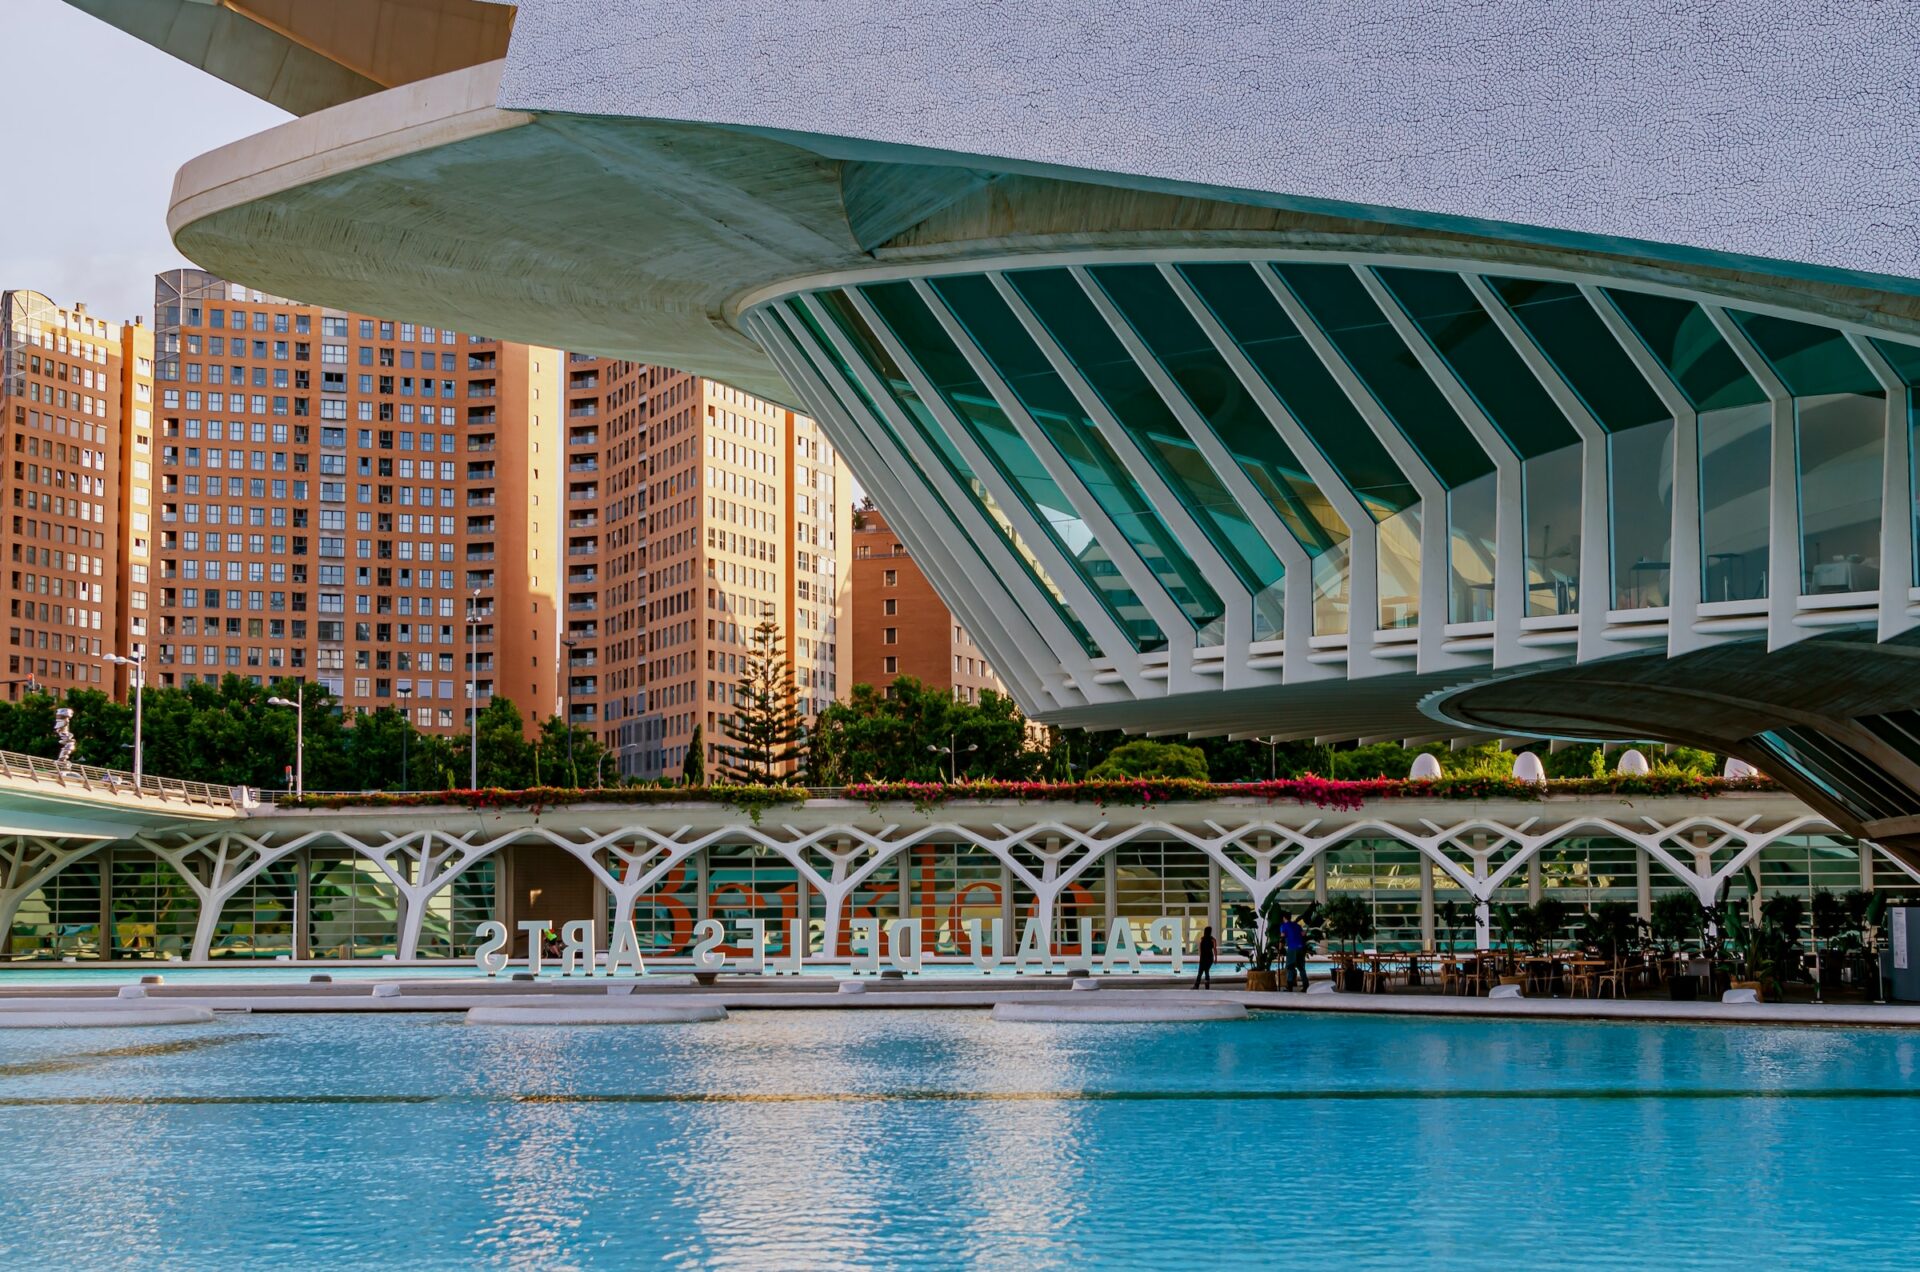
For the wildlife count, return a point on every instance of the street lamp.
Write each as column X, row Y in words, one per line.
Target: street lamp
column 406, row 720
column 1273, row 756
column 572, row 772
column 950, row 750
column 299, row 706
column 473, row 695
column 139, row 664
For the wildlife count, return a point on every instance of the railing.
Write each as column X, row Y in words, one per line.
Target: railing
column 85, row 776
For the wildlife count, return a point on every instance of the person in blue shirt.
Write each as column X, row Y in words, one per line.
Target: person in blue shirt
column 1293, row 938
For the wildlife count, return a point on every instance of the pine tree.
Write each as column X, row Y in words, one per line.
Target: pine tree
column 765, row 731
column 693, row 771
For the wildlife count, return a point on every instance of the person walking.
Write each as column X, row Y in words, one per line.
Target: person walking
column 1294, row 938
column 1209, row 950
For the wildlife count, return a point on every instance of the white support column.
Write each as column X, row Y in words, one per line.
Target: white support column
column 1643, row 882
column 1534, row 888
column 1783, row 491
column 1426, row 903
column 1214, row 915
column 1896, row 495
column 1110, row 894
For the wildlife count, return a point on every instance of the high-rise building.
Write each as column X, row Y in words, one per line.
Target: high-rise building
column 694, row 511
column 364, row 502
column 901, row 627
column 75, row 424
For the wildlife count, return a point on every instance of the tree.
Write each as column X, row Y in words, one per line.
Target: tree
column 506, row 759
column 904, row 734
column 693, row 770
column 1144, row 757
column 766, row 722
column 561, row 764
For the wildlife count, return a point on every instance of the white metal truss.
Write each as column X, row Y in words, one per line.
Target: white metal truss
column 1263, row 855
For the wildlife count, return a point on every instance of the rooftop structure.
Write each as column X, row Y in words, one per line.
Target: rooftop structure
column 1318, row 387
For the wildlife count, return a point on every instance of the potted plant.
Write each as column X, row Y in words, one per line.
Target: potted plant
column 1348, row 921
column 1265, row 950
column 1676, row 918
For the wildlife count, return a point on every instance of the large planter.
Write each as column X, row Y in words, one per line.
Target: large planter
column 1682, row 988
column 1349, row 978
column 1266, row 982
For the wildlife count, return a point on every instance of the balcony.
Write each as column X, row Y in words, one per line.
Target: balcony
column 478, row 500
column 589, row 438
column 480, row 554
column 583, row 412
column 583, row 607
column 583, row 381
column 480, row 525
column 583, row 549
column 482, row 391
column 479, row 444
column 582, row 578
column 583, row 521
column 584, row 466
column 583, row 631
column 586, row 494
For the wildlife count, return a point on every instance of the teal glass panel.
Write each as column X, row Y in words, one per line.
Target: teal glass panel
column 1840, row 414
column 1146, row 300
column 1471, row 514
column 1374, row 352
column 1735, row 461
column 1572, row 336
column 1809, row 360
column 1841, row 440
column 1482, row 359
column 1640, row 464
column 1142, row 630
column 1026, row 371
column 1683, row 340
column 1551, row 484
column 1330, row 602
column 1905, row 359
column 814, row 345
column 1069, row 316
column 1399, row 569
column 1246, row 308
column 1514, row 401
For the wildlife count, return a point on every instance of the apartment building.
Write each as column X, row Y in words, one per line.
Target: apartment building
column 901, row 627
column 695, row 511
column 365, row 502
column 76, row 394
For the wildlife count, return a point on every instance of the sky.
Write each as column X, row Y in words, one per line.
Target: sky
column 89, row 222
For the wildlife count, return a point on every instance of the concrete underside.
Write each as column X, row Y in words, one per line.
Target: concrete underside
column 644, row 239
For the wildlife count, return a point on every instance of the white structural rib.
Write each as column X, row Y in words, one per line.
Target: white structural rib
column 1783, row 489
column 979, row 596
column 1013, row 503
column 1363, row 537
column 1897, row 508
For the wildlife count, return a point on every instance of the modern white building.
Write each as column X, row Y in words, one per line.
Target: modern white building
column 1385, row 371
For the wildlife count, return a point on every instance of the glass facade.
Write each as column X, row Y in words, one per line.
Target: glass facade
column 938, row 886
column 1226, row 385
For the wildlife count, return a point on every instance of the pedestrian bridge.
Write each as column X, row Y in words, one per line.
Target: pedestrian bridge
column 204, row 878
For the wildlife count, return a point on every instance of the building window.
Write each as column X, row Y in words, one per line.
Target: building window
column 891, row 664
column 891, row 636
column 890, row 606
column 892, row 578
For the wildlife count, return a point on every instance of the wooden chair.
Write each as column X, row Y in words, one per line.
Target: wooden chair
column 1615, row 979
column 1579, row 978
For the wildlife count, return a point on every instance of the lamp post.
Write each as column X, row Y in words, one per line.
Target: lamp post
column 473, row 695
column 299, row 706
column 139, row 664
column 1273, row 756
column 951, row 751
column 406, row 720
column 572, row 773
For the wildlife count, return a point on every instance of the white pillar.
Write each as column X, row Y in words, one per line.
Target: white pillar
column 1426, row 902
column 1319, row 868
column 1534, row 887
column 1110, row 894
column 1214, row 917
column 1865, row 850
column 1643, row 881
column 702, row 893
column 1007, row 927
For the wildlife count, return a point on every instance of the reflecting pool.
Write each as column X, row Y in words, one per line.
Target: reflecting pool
column 856, row 1139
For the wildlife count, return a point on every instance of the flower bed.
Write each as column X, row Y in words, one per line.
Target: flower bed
column 1316, row 791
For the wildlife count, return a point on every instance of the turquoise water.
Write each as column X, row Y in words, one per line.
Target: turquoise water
column 941, row 1139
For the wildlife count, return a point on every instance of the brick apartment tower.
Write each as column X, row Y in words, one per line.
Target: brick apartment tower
column 693, row 510
column 901, row 627
column 364, row 502
column 76, row 396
